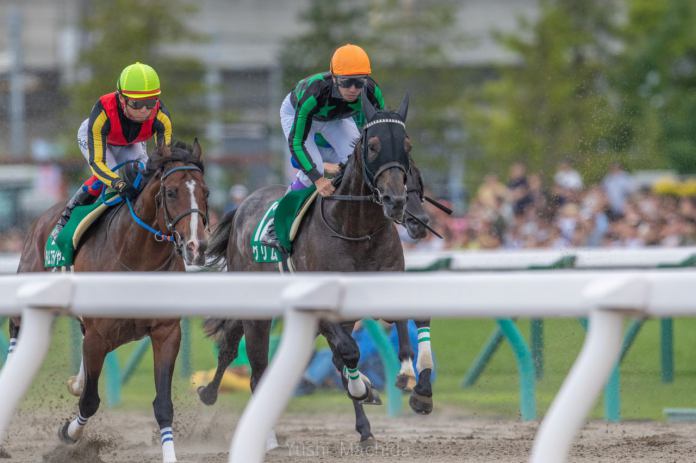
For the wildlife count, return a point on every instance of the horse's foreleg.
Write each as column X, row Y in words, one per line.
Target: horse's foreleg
column 227, row 352
column 346, row 356
column 258, row 334
column 77, row 383
column 166, row 339
column 362, row 425
column 406, row 379
column 421, row 400
column 93, row 353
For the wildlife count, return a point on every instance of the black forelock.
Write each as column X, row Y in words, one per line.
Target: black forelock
column 180, row 152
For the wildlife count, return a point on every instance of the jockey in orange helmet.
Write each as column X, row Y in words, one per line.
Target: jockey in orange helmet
column 326, row 107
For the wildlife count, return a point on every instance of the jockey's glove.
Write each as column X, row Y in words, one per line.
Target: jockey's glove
column 125, row 190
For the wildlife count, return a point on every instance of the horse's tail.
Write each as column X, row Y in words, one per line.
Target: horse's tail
column 217, row 244
column 217, row 328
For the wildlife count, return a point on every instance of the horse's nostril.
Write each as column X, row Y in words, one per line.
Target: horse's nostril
column 203, row 245
column 192, row 246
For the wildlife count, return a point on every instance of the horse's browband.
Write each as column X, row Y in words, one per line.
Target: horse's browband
column 384, row 121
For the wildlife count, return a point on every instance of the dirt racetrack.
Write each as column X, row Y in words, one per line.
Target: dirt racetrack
column 203, row 436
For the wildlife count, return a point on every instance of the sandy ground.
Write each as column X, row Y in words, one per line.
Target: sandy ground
column 203, row 435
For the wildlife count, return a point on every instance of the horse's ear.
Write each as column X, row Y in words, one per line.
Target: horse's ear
column 197, row 151
column 163, row 149
column 367, row 107
column 403, row 108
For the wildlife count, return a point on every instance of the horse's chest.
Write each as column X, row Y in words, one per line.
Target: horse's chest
column 119, row 332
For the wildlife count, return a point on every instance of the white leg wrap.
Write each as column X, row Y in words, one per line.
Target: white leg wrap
column 167, row 439
column 425, row 358
column 76, row 427
column 271, row 441
column 407, row 368
column 356, row 386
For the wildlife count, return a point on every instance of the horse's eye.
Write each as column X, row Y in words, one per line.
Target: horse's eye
column 171, row 193
column 207, row 194
column 373, row 148
column 407, row 145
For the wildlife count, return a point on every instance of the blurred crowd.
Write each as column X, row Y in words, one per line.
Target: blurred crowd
column 525, row 212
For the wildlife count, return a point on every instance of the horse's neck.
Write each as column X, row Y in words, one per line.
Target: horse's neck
column 135, row 247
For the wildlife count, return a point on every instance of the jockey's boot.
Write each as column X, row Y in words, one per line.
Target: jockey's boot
column 269, row 237
column 80, row 198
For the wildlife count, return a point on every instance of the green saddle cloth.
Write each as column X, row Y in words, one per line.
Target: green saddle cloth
column 59, row 251
column 283, row 212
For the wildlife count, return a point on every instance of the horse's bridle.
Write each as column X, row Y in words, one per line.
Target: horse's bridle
column 375, row 195
column 396, row 164
column 170, row 223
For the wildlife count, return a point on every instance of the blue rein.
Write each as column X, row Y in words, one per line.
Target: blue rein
column 159, row 235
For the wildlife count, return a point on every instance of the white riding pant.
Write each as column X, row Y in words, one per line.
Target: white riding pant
column 114, row 154
column 341, row 134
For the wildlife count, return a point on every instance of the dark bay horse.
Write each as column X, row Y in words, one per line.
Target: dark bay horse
column 174, row 201
column 353, row 231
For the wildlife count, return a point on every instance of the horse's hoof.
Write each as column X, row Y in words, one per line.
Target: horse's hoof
column 207, row 394
column 420, row 404
column 75, row 386
column 4, row 453
column 372, row 397
column 64, row 436
column 368, row 443
column 405, row 382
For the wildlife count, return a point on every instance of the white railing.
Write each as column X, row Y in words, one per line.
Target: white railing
column 606, row 297
column 585, row 258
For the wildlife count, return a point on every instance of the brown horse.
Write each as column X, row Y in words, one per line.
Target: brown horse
column 173, row 200
column 352, row 231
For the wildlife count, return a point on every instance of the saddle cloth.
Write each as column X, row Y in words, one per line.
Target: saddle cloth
column 59, row 252
column 286, row 213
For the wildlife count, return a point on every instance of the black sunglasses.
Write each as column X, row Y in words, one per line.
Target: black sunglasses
column 348, row 82
column 148, row 103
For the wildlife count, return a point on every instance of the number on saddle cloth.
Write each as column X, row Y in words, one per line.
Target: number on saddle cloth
column 283, row 213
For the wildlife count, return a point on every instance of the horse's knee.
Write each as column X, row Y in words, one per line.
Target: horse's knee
column 350, row 354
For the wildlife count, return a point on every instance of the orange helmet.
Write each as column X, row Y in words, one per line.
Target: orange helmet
column 350, row 60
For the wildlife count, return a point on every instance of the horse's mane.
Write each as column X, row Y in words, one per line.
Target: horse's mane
column 180, row 151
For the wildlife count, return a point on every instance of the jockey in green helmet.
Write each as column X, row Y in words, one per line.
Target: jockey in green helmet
column 117, row 130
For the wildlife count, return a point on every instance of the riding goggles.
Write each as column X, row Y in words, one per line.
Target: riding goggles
column 148, row 103
column 348, row 82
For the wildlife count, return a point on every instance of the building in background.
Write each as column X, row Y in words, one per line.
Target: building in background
column 241, row 61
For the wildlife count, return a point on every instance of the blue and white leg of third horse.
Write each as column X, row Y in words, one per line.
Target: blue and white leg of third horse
column 421, row 400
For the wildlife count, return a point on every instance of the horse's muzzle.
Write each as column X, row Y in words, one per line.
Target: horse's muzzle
column 416, row 230
column 194, row 252
column 394, row 206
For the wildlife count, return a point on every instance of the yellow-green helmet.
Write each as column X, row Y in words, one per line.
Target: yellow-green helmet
column 138, row 81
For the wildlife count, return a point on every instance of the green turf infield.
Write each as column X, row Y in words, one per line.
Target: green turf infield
column 455, row 344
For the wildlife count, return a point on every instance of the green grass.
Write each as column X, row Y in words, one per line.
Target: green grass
column 455, row 344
